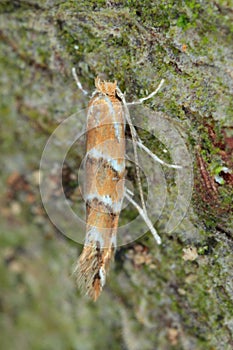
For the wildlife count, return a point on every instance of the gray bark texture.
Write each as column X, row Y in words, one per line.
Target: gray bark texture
column 175, row 296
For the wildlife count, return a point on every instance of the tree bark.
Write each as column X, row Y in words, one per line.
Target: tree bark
column 175, row 296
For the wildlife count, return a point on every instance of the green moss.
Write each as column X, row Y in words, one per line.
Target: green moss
column 203, row 250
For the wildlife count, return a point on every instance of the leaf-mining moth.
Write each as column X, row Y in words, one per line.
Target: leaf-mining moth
column 104, row 188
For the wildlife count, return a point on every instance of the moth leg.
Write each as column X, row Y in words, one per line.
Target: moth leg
column 78, row 83
column 134, row 139
column 156, row 158
column 152, row 94
column 144, row 216
column 133, row 131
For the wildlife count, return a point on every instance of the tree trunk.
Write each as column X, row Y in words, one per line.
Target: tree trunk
column 178, row 295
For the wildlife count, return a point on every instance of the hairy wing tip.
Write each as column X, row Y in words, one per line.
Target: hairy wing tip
column 91, row 270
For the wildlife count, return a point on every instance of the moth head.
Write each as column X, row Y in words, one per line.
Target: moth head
column 106, row 87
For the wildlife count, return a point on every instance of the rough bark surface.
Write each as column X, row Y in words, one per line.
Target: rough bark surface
column 175, row 296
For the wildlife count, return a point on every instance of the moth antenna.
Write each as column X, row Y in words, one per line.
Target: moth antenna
column 78, row 82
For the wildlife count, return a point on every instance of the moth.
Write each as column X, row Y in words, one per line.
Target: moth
column 104, row 188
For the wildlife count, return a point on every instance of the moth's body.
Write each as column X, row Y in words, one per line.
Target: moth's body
column 104, row 186
column 104, row 181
